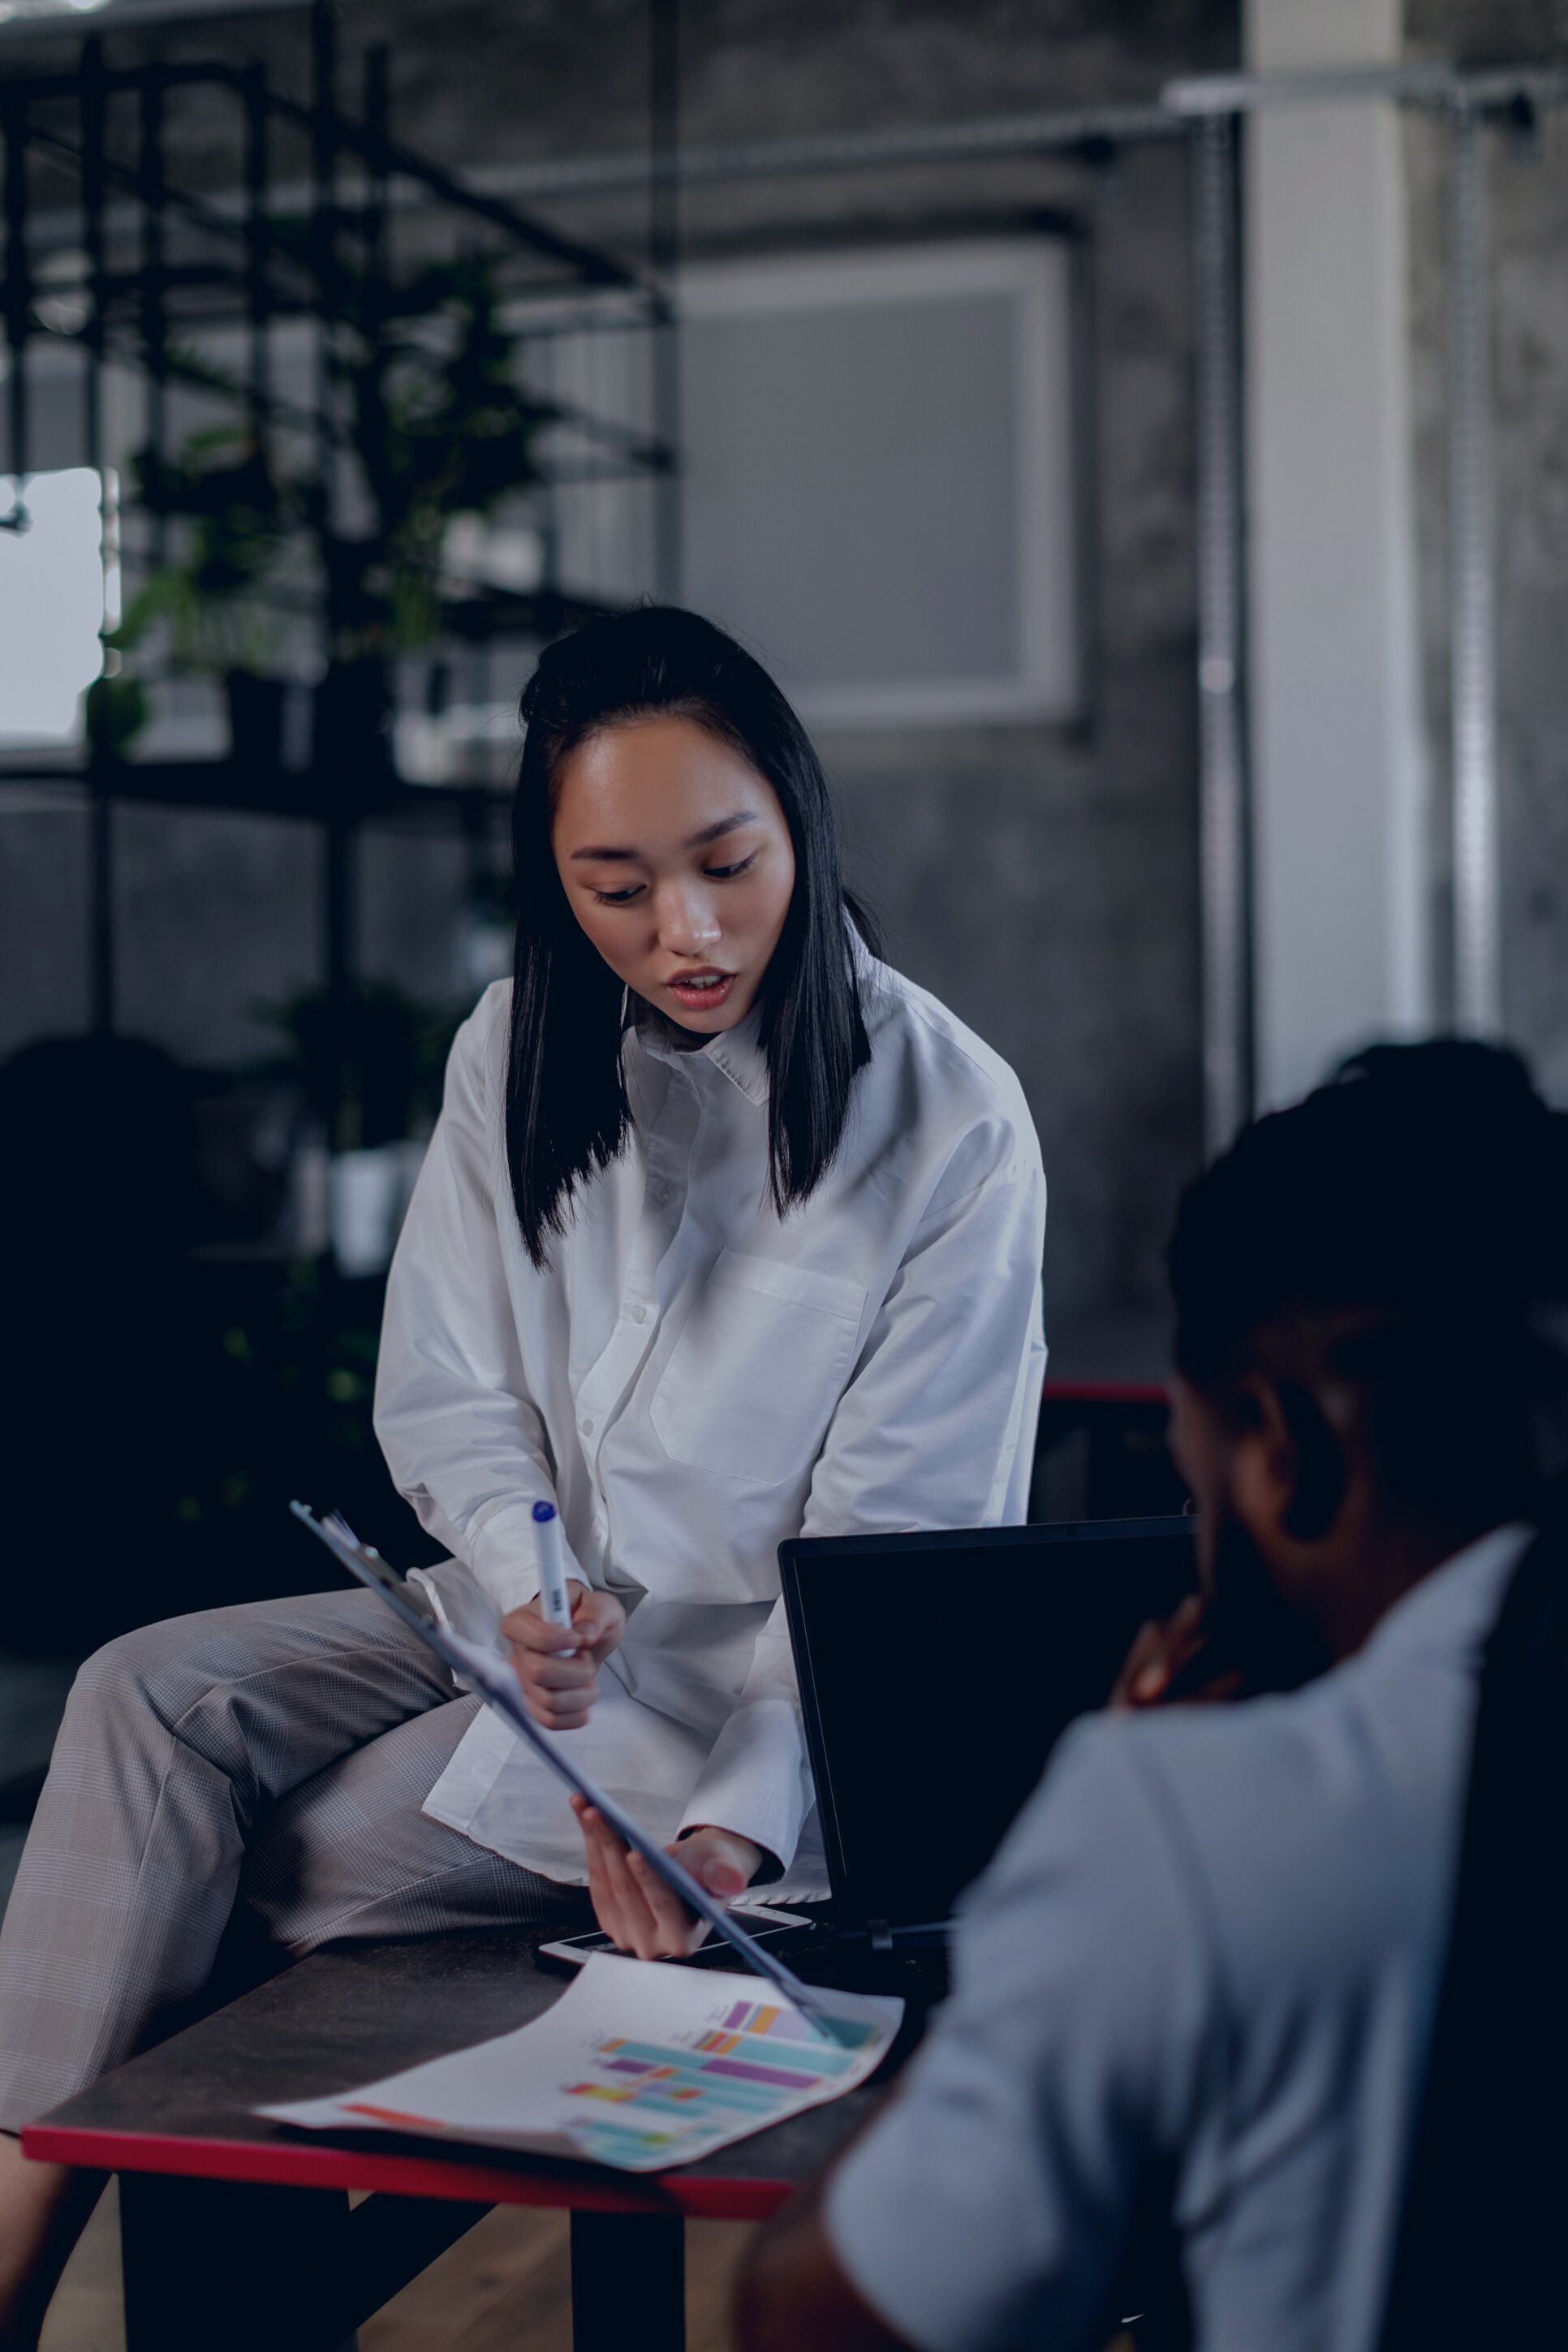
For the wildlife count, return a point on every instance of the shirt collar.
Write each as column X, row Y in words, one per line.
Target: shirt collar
column 736, row 1052
column 1457, row 1601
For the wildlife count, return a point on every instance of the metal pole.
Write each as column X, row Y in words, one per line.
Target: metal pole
column 664, row 255
column 1478, row 931
column 376, row 218
column 155, row 315
column 100, row 803
column 19, row 301
column 332, row 785
column 258, row 283
column 1224, row 878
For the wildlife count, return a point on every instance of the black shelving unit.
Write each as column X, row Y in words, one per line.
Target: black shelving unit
column 162, row 259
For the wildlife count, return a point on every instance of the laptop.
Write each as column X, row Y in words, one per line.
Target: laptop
column 937, row 1672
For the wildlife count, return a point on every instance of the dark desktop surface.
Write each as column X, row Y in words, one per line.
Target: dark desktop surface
column 937, row 1675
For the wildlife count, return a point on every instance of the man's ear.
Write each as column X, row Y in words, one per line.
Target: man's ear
column 1293, row 1472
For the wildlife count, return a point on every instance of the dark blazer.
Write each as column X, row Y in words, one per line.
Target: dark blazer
column 1478, row 2258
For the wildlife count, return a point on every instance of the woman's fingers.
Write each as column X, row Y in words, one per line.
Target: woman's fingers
column 598, row 1622
column 631, row 1902
column 558, row 1704
column 719, row 1860
column 601, row 1890
column 559, row 1676
column 643, row 1928
column 675, row 1932
column 529, row 1628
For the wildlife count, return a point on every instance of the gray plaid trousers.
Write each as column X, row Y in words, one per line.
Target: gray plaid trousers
column 254, row 1772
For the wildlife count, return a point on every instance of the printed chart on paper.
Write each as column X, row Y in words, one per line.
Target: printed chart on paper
column 637, row 2066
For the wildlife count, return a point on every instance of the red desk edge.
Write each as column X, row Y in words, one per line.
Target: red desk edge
column 310, row 2163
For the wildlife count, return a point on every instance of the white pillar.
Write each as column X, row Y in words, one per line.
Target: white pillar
column 1341, row 871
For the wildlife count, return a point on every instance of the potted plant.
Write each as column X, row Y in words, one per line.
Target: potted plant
column 441, row 426
column 222, row 598
column 369, row 1070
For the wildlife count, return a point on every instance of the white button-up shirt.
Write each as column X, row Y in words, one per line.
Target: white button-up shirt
column 692, row 1379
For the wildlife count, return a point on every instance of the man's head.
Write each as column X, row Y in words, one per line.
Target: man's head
column 1359, row 1283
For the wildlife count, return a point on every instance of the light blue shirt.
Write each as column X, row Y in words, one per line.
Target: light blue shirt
column 1214, row 1937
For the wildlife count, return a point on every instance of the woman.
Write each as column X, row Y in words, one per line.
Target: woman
column 726, row 1233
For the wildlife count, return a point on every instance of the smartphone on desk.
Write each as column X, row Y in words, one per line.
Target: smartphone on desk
column 569, row 1952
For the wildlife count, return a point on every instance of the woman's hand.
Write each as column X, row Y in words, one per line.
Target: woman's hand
column 1166, row 1665
column 561, row 1689
column 635, row 1907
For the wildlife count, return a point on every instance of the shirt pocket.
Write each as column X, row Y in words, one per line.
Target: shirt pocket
column 754, row 1379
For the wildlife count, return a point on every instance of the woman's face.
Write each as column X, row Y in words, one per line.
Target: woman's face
column 677, row 861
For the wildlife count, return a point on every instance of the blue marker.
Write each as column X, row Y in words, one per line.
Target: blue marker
column 555, row 1601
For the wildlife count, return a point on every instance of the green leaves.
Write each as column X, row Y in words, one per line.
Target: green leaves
column 438, row 424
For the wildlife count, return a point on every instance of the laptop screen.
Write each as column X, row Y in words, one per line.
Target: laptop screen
column 937, row 1672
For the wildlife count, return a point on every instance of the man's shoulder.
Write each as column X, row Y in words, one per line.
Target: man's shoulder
column 1309, row 1832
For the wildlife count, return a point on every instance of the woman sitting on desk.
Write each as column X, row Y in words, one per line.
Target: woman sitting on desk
column 727, row 1234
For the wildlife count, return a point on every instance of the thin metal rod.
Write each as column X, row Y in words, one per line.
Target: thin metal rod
column 377, row 114
column 94, row 128
column 1478, row 930
column 1223, row 826
column 101, row 806
column 980, row 140
column 664, row 260
column 333, row 785
column 18, row 302
column 1412, row 85
column 155, row 315
column 324, row 254
column 257, row 279
column 101, row 904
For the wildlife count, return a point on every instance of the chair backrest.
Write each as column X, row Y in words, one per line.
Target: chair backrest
column 1477, row 2260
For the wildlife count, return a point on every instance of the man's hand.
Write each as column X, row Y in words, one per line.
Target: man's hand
column 561, row 1689
column 635, row 1907
column 1167, row 1664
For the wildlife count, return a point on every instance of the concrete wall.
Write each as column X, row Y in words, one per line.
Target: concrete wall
column 1042, row 881
column 1528, row 195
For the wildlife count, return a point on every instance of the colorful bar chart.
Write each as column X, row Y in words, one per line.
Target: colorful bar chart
column 637, row 2066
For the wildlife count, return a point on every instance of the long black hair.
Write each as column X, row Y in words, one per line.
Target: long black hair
column 566, row 1109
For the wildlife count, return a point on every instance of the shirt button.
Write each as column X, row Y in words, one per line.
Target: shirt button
column 639, row 1314
column 588, row 1429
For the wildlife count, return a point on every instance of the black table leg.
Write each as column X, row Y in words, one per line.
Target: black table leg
column 222, row 2262
column 257, row 2269
column 629, row 2282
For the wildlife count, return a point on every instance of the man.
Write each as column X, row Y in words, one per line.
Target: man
column 1204, row 1966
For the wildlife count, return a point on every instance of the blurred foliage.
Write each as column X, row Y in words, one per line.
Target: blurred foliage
column 284, row 1364
column 116, row 712
column 377, row 1077
column 439, row 425
column 224, row 599
column 442, row 425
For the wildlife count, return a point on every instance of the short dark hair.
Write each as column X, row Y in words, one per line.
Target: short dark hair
column 566, row 1109
column 1405, row 1226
